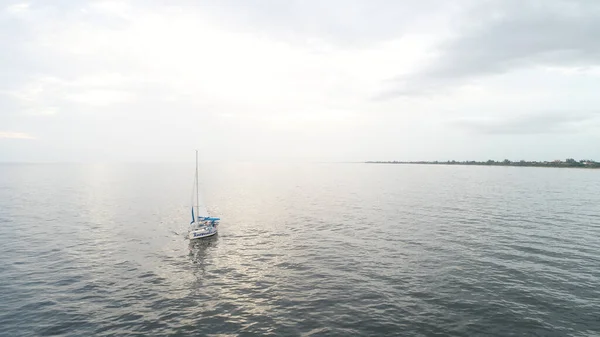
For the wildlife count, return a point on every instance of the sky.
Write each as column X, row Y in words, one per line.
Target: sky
column 295, row 81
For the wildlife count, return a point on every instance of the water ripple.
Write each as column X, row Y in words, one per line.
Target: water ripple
column 315, row 250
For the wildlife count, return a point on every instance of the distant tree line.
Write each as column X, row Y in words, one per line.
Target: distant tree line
column 569, row 162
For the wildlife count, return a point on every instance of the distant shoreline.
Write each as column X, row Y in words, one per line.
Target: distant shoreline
column 569, row 163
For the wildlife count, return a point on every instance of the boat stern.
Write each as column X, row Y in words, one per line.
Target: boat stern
column 202, row 232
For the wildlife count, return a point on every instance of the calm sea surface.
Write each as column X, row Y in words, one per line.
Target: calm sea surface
column 303, row 250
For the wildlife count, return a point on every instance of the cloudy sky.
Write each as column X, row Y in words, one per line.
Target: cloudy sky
column 268, row 80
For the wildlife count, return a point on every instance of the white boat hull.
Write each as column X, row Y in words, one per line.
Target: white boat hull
column 201, row 233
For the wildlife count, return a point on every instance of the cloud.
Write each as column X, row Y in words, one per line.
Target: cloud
column 549, row 122
column 47, row 95
column 502, row 36
column 191, row 56
column 100, row 97
column 343, row 23
column 17, row 9
column 265, row 79
column 15, row 135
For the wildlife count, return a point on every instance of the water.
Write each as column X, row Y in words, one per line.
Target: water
column 303, row 250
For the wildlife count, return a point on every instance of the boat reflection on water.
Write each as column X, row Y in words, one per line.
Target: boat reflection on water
column 201, row 255
column 200, row 249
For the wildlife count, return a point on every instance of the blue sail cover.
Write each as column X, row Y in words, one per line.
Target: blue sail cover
column 193, row 219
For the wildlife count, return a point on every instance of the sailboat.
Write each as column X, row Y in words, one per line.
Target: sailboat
column 202, row 225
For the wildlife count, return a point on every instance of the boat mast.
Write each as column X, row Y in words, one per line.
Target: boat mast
column 197, row 191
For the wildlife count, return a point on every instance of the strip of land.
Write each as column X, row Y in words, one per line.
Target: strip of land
column 586, row 163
